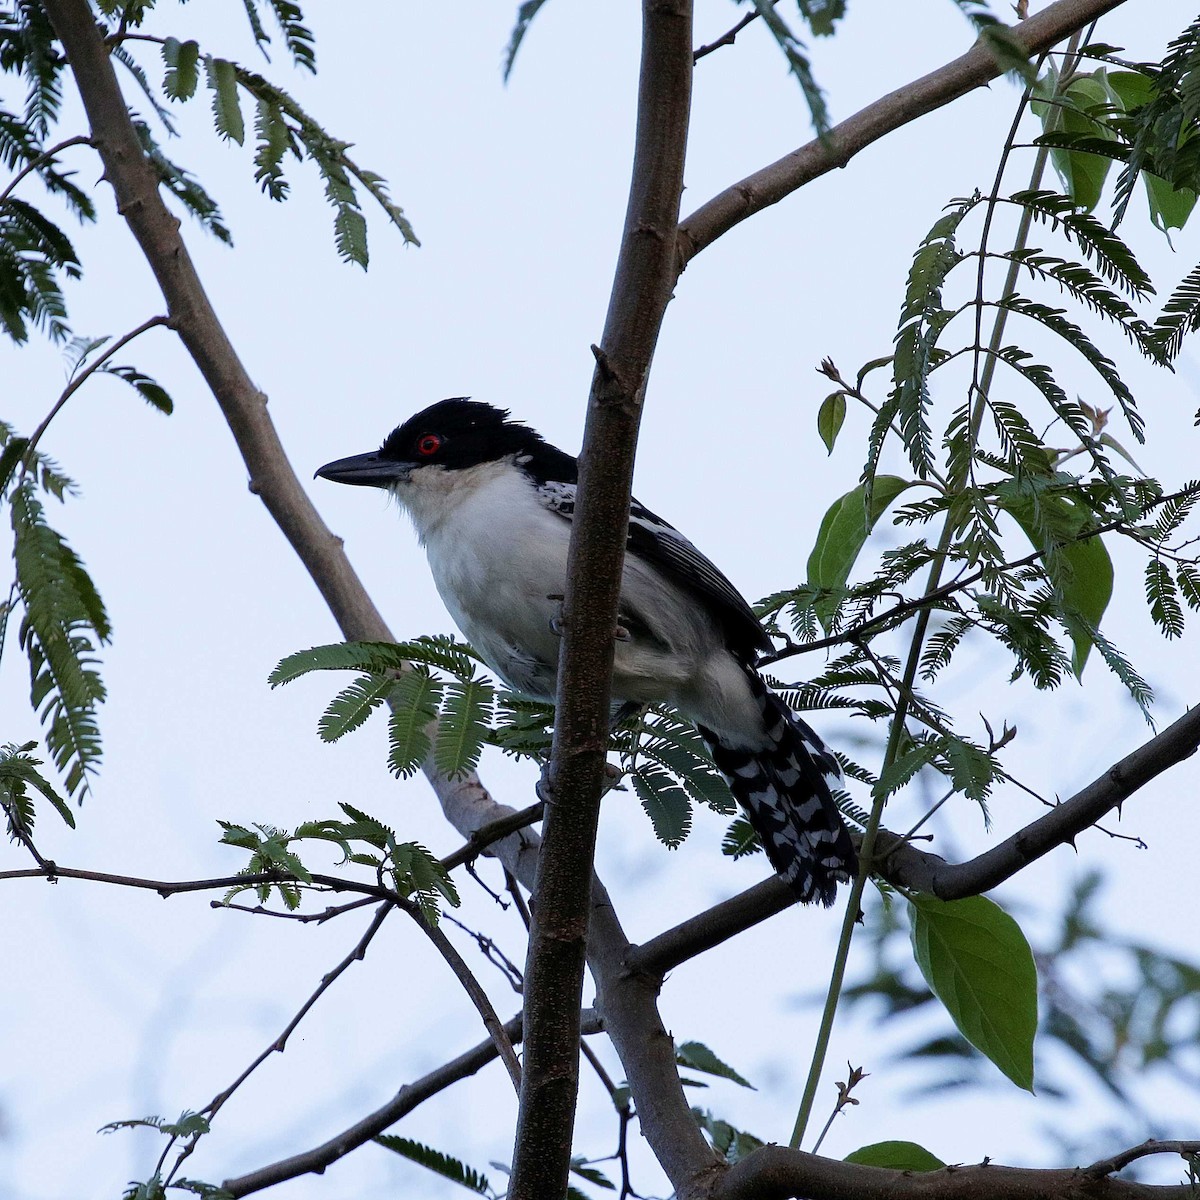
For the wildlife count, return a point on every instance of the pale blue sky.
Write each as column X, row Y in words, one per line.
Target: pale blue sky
column 120, row 1004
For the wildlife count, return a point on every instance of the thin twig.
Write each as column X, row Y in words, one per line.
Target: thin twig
column 492, row 953
column 280, row 1043
column 82, row 378
column 470, row 985
column 495, row 832
column 41, row 160
column 318, row 918
column 1118, row 1162
column 726, row 39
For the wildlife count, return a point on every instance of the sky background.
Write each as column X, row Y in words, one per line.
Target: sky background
column 118, row 1004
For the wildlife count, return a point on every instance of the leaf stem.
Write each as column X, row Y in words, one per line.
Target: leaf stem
column 980, row 387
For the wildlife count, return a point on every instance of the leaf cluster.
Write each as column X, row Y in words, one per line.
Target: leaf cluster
column 282, row 129
column 443, row 712
column 363, row 840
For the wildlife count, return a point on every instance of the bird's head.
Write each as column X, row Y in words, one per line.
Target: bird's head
column 453, row 435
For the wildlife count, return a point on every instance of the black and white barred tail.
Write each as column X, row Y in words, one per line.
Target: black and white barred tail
column 785, row 789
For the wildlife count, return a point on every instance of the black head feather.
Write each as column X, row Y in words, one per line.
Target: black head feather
column 460, row 433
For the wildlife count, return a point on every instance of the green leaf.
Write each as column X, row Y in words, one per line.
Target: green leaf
column 416, row 872
column 1081, row 571
column 898, row 1156
column 1161, row 595
column 184, row 187
column 581, row 1167
column 699, row 1057
column 843, row 534
column 525, row 15
column 1170, row 206
column 436, row 1161
column 63, row 627
column 740, row 840
column 463, row 726
column 734, row 1144
column 665, row 802
column 181, row 76
column 830, row 418
column 19, row 771
column 414, row 708
column 353, row 705
column 377, row 658
column 906, row 765
column 227, row 110
column 823, row 15
column 1070, row 112
column 977, row 962
column 152, row 392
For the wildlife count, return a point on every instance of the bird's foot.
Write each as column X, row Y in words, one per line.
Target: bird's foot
column 545, row 786
column 556, row 621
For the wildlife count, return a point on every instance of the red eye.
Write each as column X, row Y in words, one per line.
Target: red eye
column 428, row 443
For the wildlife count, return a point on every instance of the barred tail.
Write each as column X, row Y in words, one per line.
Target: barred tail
column 784, row 787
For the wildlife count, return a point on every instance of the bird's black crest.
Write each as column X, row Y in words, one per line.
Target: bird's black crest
column 468, row 433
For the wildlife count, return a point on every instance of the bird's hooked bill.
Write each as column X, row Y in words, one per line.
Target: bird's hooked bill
column 365, row 470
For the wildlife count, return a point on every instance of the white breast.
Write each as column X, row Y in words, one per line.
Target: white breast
column 499, row 559
column 497, row 556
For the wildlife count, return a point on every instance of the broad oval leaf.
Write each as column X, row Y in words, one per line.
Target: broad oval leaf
column 843, row 534
column 978, row 964
column 1072, row 111
column 830, row 417
column 699, row 1057
column 1082, row 571
column 899, row 1156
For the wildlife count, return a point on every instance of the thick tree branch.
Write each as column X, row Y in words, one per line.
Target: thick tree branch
column 912, row 868
column 776, row 1173
column 405, row 1100
column 974, row 69
column 902, row 863
column 626, row 999
column 645, row 272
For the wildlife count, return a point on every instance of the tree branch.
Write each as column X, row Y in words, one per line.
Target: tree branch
column 645, row 272
column 478, row 997
column 901, row 863
column 905, row 865
column 972, row 70
column 777, row 1173
column 626, row 999
column 316, row 1160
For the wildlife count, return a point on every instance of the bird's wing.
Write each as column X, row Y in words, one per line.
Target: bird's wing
column 661, row 545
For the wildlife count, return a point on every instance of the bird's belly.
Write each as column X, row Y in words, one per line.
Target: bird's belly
column 501, row 571
column 499, row 591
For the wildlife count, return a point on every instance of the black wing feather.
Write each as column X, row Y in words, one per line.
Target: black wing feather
column 662, row 545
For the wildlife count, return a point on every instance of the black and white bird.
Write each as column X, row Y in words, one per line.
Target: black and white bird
column 492, row 503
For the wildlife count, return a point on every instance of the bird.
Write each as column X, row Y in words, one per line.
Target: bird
column 492, row 503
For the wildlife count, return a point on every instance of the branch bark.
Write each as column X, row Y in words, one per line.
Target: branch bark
column 972, row 70
column 901, row 863
column 244, row 407
column 645, row 272
column 466, row 801
column 410, row 1096
column 777, row 1173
